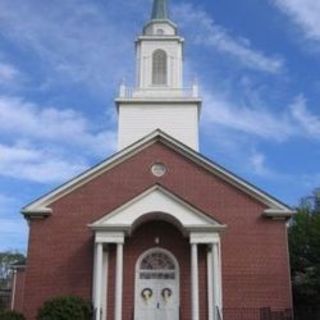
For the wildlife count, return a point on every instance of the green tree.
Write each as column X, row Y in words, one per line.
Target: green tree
column 304, row 243
column 7, row 259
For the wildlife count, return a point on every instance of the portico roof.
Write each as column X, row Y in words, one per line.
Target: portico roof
column 157, row 203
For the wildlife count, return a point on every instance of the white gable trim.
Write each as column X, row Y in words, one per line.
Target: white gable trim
column 160, row 204
column 158, row 135
column 226, row 175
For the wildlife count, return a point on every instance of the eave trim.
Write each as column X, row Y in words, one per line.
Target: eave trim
column 157, row 135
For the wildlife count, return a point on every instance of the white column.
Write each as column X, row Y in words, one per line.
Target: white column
column 105, row 284
column 220, row 275
column 194, row 281
column 210, row 283
column 94, row 277
column 215, row 279
column 98, row 279
column 119, row 282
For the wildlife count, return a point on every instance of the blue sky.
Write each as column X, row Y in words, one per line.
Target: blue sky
column 61, row 62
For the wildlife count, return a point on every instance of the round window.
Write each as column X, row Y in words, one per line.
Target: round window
column 158, row 169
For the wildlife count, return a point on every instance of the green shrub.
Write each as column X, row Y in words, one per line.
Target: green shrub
column 65, row 308
column 11, row 315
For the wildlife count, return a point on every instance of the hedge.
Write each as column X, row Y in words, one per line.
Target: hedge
column 11, row 315
column 65, row 308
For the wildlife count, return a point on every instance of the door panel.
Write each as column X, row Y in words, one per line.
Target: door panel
column 157, row 290
column 146, row 300
column 169, row 304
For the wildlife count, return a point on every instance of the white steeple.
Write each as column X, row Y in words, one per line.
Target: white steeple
column 159, row 100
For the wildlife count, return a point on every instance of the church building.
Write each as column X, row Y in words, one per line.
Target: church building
column 157, row 230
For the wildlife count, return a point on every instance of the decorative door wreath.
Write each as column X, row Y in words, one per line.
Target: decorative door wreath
column 166, row 293
column 146, row 294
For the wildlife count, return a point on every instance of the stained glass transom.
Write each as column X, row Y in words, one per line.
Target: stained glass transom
column 158, row 275
column 157, row 261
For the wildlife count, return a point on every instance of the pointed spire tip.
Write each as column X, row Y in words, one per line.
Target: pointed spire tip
column 160, row 10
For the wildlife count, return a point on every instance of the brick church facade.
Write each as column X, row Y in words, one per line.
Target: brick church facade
column 158, row 231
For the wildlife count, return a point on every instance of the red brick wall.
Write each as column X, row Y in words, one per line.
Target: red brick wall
column 19, row 290
column 255, row 261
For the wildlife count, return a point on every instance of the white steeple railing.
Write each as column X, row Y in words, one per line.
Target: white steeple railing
column 158, row 92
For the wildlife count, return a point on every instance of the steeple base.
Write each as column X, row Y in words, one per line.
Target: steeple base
column 178, row 117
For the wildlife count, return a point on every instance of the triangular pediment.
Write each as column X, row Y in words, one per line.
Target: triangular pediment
column 274, row 207
column 157, row 203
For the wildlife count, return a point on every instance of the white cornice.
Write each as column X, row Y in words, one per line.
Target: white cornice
column 159, row 100
column 160, row 38
column 37, row 213
column 277, row 214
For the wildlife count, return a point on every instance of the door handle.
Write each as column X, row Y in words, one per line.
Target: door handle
column 158, row 305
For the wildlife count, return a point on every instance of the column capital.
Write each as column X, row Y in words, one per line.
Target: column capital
column 109, row 237
column 205, row 237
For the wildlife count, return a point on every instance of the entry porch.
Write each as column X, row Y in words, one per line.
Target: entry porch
column 157, row 257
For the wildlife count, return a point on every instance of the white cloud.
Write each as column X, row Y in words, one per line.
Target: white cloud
column 28, row 120
column 307, row 121
column 265, row 123
column 236, row 131
column 256, row 121
column 8, row 73
column 305, row 13
column 37, row 165
column 74, row 40
column 47, row 144
column 208, row 33
column 258, row 162
column 258, row 165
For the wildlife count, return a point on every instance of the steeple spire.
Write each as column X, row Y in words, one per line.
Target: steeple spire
column 160, row 10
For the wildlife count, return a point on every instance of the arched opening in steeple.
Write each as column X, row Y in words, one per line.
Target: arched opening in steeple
column 159, row 68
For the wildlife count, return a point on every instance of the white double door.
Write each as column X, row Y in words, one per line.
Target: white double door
column 157, row 299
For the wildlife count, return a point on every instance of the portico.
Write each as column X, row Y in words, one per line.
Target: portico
column 157, row 204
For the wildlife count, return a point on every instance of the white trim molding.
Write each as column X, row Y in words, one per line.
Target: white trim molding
column 204, row 237
column 277, row 214
column 109, row 237
column 156, row 203
column 37, row 213
column 154, row 137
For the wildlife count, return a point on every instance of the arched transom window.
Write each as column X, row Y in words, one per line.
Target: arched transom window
column 159, row 67
column 157, row 265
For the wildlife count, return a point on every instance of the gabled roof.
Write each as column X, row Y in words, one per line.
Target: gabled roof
column 41, row 206
column 157, row 203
